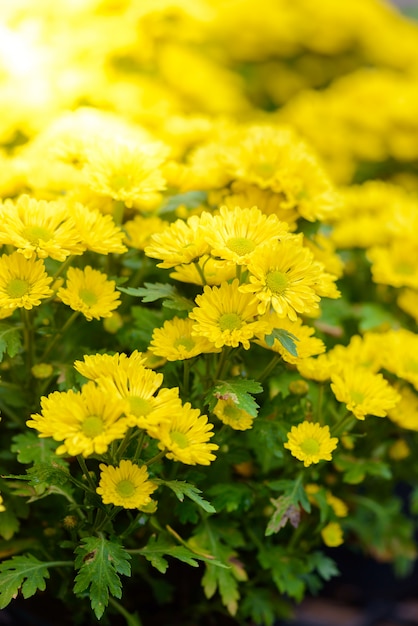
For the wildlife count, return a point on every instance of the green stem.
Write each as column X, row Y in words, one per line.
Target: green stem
column 319, row 403
column 222, row 363
column 157, row 457
column 63, row 267
column 131, row 619
column 108, row 517
column 269, row 368
column 59, row 334
column 345, row 425
column 186, row 377
column 28, row 339
column 201, row 273
column 118, row 212
column 86, row 472
column 139, row 446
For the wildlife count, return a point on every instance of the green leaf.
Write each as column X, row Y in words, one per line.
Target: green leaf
column 286, row 338
column 157, row 291
column 189, row 199
column 373, row 316
column 33, row 449
column 285, row 511
column 231, row 497
column 24, row 573
column 182, row 489
column 287, row 571
column 355, row 469
column 238, row 390
column 100, row 562
column 159, row 546
column 9, row 523
column 9, row 340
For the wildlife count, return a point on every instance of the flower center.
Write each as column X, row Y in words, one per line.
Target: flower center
column 277, row 282
column 179, row 439
column 357, row 396
column 17, row 288
column 240, row 245
column 264, row 169
column 92, row 426
column 120, row 181
column 125, row 488
column 88, row 297
column 229, row 321
column 184, row 342
column 35, row 233
column 140, row 406
column 310, row 446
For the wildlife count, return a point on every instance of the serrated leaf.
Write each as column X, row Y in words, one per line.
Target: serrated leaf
column 9, row 340
column 239, row 391
column 25, row 573
column 9, row 524
column 189, row 199
column 182, row 488
column 286, row 338
column 285, row 511
column 159, row 547
column 100, row 562
column 231, row 497
column 151, row 292
column 33, row 449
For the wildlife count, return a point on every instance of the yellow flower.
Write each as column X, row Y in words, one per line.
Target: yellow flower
column 363, row 392
column 186, row 436
column 90, row 292
column 399, row 450
column 205, row 271
column 338, row 506
column 175, row 342
column 38, row 227
column 226, row 316
column 332, row 535
column 306, row 345
column 235, row 234
column 125, row 170
column 284, row 276
column 309, row 442
column 181, row 242
column 87, row 421
column 23, row 282
column 126, row 485
column 98, row 232
column 140, row 230
column 408, row 302
column 95, row 366
column 400, row 355
column 405, row 413
column 229, row 413
column 2, row 507
column 395, row 264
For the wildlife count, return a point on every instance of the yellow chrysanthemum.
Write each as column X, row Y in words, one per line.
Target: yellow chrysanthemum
column 90, row 292
column 362, row 352
column 186, row 437
column 2, row 507
column 23, row 282
column 87, row 421
column 229, row 413
column 339, row 507
column 205, row 271
column 309, row 442
column 400, row 354
column 140, row 230
column 395, row 264
column 38, row 227
column 363, row 392
column 95, row 366
column 332, row 535
column 306, row 345
column 405, row 413
column 399, row 450
column 285, row 277
column 175, row 342
column 124, row 170
column 98, row 232
column 226, row 316
column 181, row 242
column 235, row 234
column 408, row 302
column 319, row 368
column 126, row 485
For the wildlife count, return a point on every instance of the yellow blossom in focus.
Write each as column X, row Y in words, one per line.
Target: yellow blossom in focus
column 126, row 485
column 90, row 292
column 24, row 283
column 176, row 342
column 229, row 413
column 181, row 242
column 309, row 442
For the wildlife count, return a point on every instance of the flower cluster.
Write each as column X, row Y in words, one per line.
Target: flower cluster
column 208, row 300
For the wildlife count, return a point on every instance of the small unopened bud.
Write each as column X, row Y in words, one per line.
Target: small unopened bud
column 42, row 370
column 299, row 387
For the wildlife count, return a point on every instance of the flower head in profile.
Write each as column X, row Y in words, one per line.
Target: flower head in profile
column 90, row 292
column 23, row 282
column 39, row 228
column 226, row 316
column 285, row 277
column 229, row 413
column 309, row 442
column 126, row 485
column 95, row 366
column 363, row 392
column 140, row 230
column 86, row 422
column 175, row 341
column 186, row 436
column 98, row 232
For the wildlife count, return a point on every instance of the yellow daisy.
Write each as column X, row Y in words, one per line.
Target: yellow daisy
column 309, row 442
column 229, row 413
column 86, row 422
column 205, row 271
column 285, row 277
column 140, row 230
column 175, row 342
column 38, row 227
column 332, row 535
column 126, row 485
column 234, row 234
column 363, row 392
column 395, row 264
column 23, row 282
column 181, row 242
column 400, row 354
column 95, row 366
column 226, row 316
column 405, row 413
column 186, row 437
column 339, row 507
column 408, row 302
column 125, row 170
column 98, row 232
column 90, row 292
